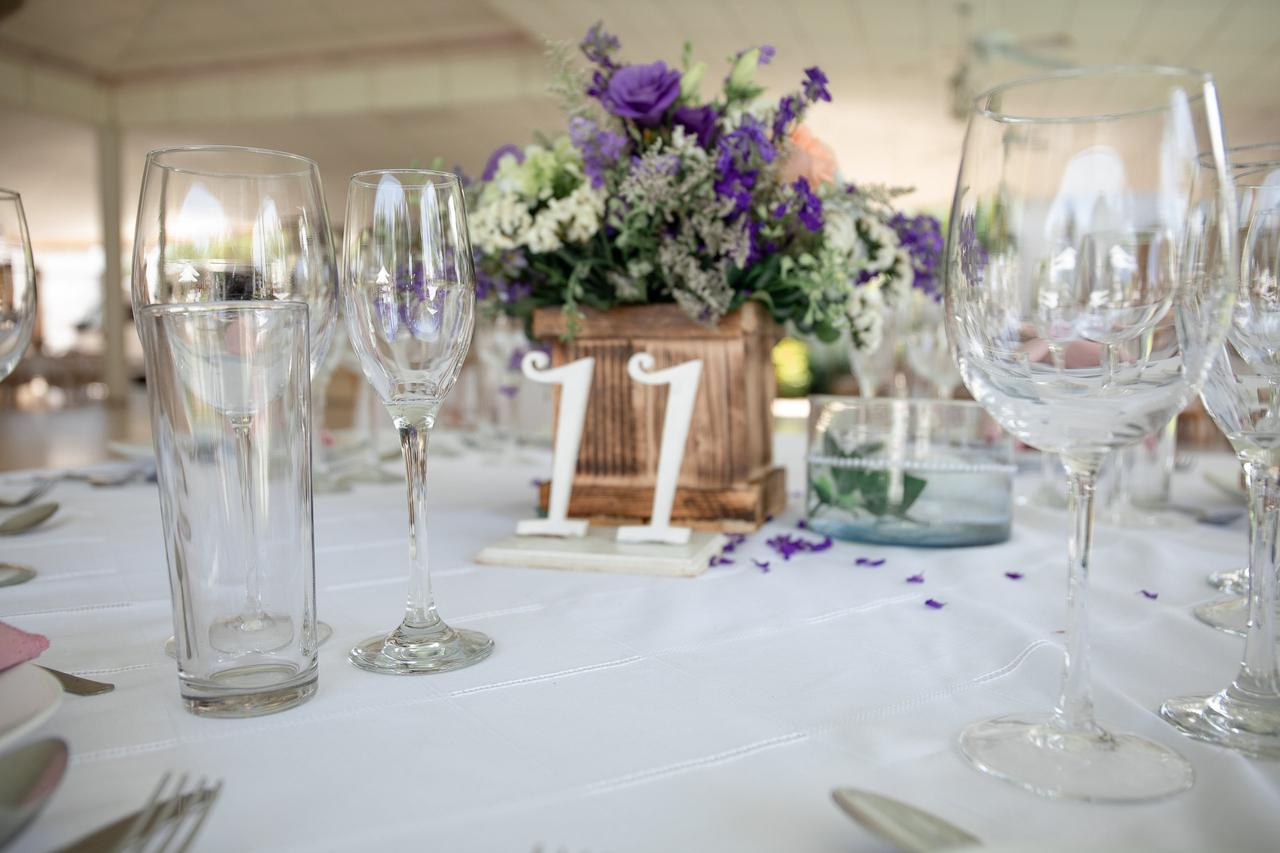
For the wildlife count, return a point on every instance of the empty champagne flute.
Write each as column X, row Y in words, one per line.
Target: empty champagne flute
column 1088, row 288
column 409, row 292
column 1242, row 394
column 17, row 283
column 221, row 223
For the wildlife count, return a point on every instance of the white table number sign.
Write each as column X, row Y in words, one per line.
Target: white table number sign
column 683, row 382
column 574, row 380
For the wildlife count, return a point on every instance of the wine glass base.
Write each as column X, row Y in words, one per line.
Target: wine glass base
column 417, row 651
column 323, row 633
column 1255, row 731
column 239, row 635
column 1033, row 752
column 1233, row 582
column 1226, row 614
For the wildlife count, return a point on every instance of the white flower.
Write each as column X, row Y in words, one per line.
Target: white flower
column 543, row 235
column 840, row 233
column 500, row 222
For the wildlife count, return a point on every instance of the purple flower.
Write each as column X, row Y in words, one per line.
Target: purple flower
column 802, row 524
column 717, row 560
column 1013, row 576
column 788, row 110
column 916, row 578
column 815, row 85
column 491, row 167
column 810, row 212
column 597, row 45
column 600, row 148
column 509, row 391
column 870, row 563
column 762, row 565
column 921, row 236
column 934, row 604
column 766, row 54
column 1149, row 594
column 742, row 153
column 786, row 545
column 642, row 93
column 700, row 121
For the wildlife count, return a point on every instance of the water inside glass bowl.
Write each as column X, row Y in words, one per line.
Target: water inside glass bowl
column 908, row 472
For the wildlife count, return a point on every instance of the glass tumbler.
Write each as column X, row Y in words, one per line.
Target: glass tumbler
column 229, row 389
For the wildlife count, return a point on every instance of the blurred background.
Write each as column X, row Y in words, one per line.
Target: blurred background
column 87, row 88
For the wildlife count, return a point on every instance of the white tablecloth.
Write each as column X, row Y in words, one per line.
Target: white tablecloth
column 624, row 713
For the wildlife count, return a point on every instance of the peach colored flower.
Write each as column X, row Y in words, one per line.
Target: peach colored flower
column 808, row 157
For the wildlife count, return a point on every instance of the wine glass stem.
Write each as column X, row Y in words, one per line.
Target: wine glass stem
column 242, row 425
column 1075, row 705
column 420, row 609
column 1258, row 675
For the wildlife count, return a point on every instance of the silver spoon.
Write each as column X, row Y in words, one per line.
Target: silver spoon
column 906, row 827
column 28, row 775
column 38, row 488
column 11, row 574
column 26, row 519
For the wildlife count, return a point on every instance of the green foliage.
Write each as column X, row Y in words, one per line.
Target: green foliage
column 862, row 490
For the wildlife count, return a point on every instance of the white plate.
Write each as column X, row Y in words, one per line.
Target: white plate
column 28, row 697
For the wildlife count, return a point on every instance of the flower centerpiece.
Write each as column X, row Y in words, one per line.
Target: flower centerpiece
column 727, row 211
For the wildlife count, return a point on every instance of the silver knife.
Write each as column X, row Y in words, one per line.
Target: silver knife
column 906, row 827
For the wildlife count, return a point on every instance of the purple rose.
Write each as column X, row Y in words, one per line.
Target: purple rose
column 700, row 121
column 642, row 92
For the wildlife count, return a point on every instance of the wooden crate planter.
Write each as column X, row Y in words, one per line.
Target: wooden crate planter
column 728, row 480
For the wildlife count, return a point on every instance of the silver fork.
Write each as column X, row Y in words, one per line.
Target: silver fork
column 171, row 813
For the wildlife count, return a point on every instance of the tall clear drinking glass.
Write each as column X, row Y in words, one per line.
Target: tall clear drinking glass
column 17, row 283
column 1242, row 395
column 215, row 369
column 409, row 293
column 1088, row 288
column 220, row 223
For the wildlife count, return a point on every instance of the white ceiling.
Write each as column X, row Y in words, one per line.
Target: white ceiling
column 889, row 62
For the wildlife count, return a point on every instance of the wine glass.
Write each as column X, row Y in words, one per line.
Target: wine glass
column 1087, row 291
column 1242, row 394
column 1232, row 614
column 17, row 283
column 877, row 370
column 409, row 292
column 926, row 343
column 219, row 223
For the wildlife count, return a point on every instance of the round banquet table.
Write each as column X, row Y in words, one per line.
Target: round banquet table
column 629, row 713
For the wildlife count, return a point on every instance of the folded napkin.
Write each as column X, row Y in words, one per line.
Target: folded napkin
column 17, row 646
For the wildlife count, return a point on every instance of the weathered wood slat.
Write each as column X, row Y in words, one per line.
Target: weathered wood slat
column 729, row 451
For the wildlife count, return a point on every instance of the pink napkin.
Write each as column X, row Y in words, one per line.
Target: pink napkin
column 17, row 646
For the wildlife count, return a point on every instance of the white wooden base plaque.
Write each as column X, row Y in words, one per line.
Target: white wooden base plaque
column 599, row 551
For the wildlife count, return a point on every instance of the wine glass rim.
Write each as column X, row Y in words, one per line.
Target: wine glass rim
column 367, row 177
column 306, row 165
column 1244, row 179
column 1003, row 117
column 241, row 305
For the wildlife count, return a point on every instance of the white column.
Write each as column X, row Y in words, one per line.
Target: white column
column 115, row 374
